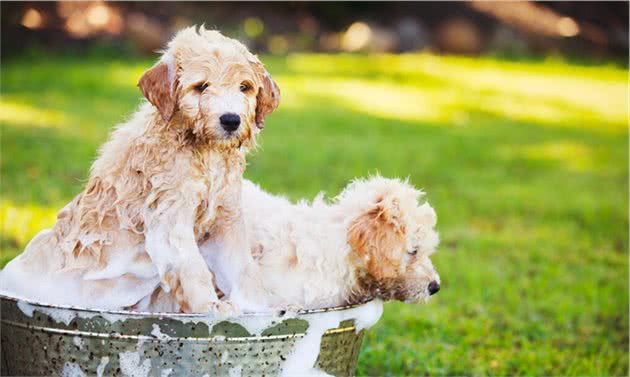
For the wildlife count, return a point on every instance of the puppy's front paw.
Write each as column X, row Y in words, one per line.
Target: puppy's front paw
column 197, row 293
column 218, row 308
column 290, row 308
column 225, row 308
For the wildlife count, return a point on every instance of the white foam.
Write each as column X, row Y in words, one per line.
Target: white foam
column 72, row 370
column 26, row 308
column 301, row 361
column 166, row 372
column 224, row 356
column 54, row 283
column 159, row 334
column 78, row 342
column 369, row 314
column 101, row 366
column 256, row 324
column 58, row 315
column 66, row 315
column 235, row 371
column 131, row 366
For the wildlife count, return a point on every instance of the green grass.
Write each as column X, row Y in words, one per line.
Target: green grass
column 526, row 164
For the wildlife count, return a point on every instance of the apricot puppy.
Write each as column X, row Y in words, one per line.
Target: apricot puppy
column 166, row 180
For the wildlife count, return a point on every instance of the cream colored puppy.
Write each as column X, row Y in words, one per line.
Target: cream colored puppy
column 373, row 241
column 167, row 179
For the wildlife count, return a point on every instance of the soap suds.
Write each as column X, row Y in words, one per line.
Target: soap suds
column 101, row 367
column 26, row 308
column 224, row 356
column 235, row 371
column 256, row 324
column 166, row 372
column 130, row 365
column 78, row 342
column 301, row 361
column 369, row 314
column 66, row 315
column 159, row 334
column 72, row 370
column 70, row 288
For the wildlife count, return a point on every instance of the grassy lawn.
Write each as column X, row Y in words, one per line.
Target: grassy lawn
column 526, row 164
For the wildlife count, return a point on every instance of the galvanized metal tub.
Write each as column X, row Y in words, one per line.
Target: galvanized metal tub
column 40, row 340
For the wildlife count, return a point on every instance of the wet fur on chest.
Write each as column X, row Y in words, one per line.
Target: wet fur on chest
column 117, row 196
column 220, row 207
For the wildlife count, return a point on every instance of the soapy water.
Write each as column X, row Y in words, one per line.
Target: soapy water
column 158, row 334
column 131, row 366
column 101, row 366
column 54, row 288
column 225, row 356
column 72, row 370
column 67, row 315
column 78, row 342
column 254, row 324
column 301, row 361
column 235, row 371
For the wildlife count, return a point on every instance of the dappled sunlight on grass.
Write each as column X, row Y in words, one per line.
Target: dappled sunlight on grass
column 372, row 98
column 572, row 155
column 428, row 87
column 124, row 75
column 445, row 106
column 30, row 116
column 21, row 222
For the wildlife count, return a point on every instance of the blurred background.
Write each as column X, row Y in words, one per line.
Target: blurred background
column 512, row 116
column 595, row 29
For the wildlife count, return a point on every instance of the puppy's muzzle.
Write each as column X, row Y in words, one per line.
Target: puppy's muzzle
column 230, row 122
column 434, row 287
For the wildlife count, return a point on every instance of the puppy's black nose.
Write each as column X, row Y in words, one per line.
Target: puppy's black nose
column 230, row 121
column 434, row 287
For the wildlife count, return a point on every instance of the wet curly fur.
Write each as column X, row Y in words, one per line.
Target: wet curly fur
column 165, row 180
column 373, row 241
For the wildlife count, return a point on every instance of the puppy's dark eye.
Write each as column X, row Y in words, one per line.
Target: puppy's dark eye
column 201, row 87
column 413, row 252
column 245, row 87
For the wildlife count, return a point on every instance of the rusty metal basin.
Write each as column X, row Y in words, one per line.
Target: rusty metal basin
column 40, row 340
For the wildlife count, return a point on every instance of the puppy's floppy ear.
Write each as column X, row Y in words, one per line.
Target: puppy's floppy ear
column 377, row 236
column 159, row 86
column 268, row 97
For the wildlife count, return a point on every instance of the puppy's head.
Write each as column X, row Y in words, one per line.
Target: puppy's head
column 212, row 88
column 391, row 237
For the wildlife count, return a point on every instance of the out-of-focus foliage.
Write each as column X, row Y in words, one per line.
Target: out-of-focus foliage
column 526, row 164
column 587, row 29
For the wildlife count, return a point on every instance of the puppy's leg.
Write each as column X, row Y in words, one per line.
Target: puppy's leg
column 171, row 243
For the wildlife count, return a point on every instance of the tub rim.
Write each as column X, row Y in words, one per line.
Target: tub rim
column 281, row 313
